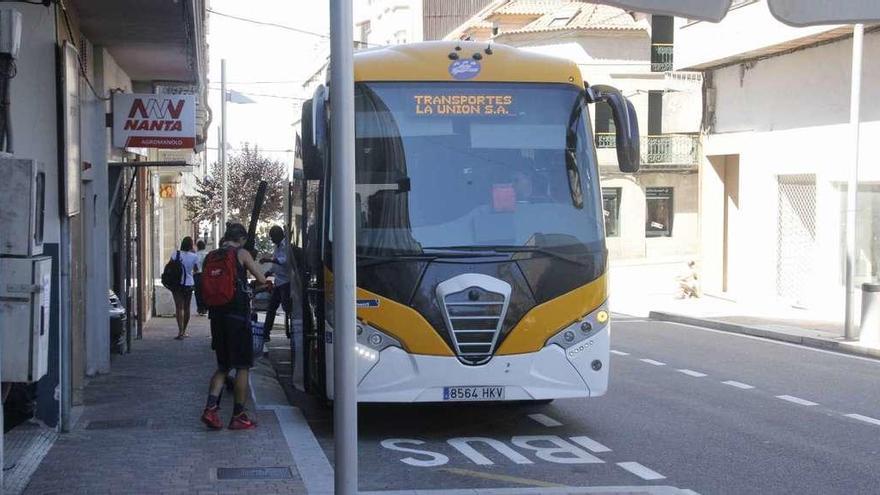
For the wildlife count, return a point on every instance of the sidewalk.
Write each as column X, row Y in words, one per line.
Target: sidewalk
column 770, row 319
column 140, row 432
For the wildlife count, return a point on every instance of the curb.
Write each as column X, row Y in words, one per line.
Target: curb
column 309, row 459
column 768, row 333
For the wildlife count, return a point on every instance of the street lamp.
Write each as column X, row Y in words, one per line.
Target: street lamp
column 234, row 97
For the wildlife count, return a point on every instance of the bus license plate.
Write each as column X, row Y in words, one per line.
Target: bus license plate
column 473, row 393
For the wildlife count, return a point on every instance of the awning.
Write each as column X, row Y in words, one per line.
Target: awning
column 792, row 12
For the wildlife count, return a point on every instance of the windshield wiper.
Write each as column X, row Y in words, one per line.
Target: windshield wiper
column 539, row 250
column 515, row 249
column 371, row 260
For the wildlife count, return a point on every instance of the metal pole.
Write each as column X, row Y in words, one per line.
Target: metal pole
column 64, row 345
column 850, row 327
column 223, row 143
column 342, row 177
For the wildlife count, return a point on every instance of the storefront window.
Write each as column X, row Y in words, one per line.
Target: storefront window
column 867, row 257
column 611, row 210
column 658, row 212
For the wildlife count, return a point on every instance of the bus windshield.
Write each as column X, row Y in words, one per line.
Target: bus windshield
column 453, row 165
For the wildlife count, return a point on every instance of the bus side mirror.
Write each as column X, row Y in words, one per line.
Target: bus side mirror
column 314, row 135
column 626, row 125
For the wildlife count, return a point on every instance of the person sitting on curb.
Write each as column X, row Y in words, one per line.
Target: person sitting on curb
column 231, row 336
column 689, row 283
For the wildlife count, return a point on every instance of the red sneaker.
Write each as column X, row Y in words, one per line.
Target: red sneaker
column 242, row 422
column 211, row 418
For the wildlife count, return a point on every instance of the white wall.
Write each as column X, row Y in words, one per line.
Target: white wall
column 97, row 149
column 34, row 104
column 631, row 242
column 789, row 115
column 745, row 29
column 391, row 21
column 604, row 52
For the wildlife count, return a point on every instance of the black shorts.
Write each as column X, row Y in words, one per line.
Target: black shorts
column 232, row 341
column 184, row 290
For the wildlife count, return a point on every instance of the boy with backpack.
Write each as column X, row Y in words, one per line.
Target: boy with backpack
column 225, row 292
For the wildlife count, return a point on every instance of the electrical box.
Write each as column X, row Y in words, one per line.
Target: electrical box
column 10, row 32
column 23, row 188
column 25, row 289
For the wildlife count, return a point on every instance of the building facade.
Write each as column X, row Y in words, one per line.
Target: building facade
column 393, row 22
column 777, row 155
column 101, row 215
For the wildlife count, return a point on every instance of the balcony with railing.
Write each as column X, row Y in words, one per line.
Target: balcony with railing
column 659, row 152
column 605, row 140
column 661, row 57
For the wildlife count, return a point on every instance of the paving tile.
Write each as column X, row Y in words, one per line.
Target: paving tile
column 163, row 382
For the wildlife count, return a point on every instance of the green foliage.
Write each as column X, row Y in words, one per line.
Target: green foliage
column 245, row 171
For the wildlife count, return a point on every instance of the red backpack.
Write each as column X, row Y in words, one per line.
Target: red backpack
column 220, row 277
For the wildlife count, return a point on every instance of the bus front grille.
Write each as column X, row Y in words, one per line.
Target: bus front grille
column 474, row 307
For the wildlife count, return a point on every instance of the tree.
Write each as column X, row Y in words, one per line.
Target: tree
column 245, row 171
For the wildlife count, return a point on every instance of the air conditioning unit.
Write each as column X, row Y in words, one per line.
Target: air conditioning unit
column 25, row 292
column 23, row 188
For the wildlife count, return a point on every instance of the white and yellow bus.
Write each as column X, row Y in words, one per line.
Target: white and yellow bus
column 481, row 258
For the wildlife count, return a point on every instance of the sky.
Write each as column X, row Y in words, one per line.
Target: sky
column 263, row 60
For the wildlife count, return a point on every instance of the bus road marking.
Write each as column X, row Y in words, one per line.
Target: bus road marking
column 544, row 419
column 590, row 444
column 695, row 374
column 549, row 448
column 744, row 386
column 619, row 353
column 651, row 361
column 641, row 471
column 866, row 419
column 796, row 400
column 463, row 445
column 434, row 458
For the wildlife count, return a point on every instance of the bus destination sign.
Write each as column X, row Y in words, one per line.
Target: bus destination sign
column 463, row 104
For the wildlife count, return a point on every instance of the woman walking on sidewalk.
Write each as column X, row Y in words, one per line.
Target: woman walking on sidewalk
column 226, row 293
column 183, row 294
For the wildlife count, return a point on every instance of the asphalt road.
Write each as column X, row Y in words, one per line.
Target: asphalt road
column 690, row 408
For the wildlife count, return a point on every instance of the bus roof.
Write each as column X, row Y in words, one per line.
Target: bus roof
column 430, row 61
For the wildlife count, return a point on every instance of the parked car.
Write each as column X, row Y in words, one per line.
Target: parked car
column 117, row 324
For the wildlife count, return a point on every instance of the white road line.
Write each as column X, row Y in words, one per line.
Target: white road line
column 796, row 400
column 866, row 419
column 590, row 444
column 651, row 361
column 545, row 420
column 744, row 386
column 619, row 353
column 763, row 339
column 693, row 373
column 641, row 471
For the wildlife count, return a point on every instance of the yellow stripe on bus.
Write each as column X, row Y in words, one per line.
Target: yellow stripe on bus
column 404, row 324
column 544, row 320
column 397, row 320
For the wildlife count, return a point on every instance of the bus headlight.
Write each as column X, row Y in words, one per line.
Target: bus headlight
column 582, row 329
column 366, row 353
